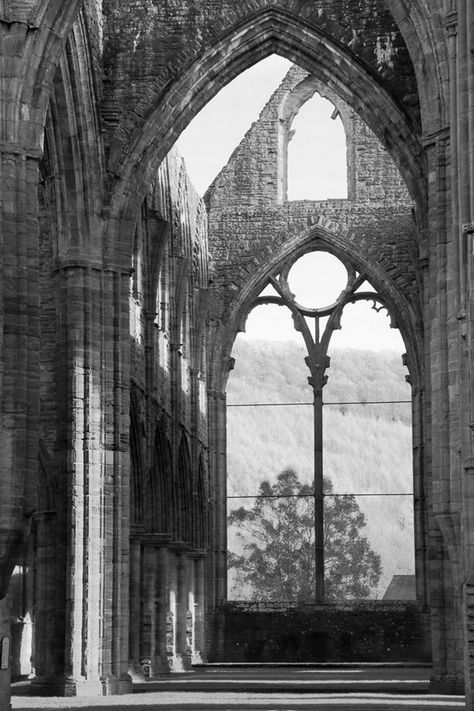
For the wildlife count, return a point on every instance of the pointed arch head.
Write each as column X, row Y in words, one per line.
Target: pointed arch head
column 201, row 514
column 158, row 512
column 269, row 31
column 45, row 26
column 136, row 462
column 183, row 492
column 323, row 237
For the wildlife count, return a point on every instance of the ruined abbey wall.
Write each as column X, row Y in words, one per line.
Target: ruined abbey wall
column 251, row 222
column 167, row 440
column 93, row 97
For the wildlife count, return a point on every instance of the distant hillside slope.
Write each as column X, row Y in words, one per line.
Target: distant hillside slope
column 367, row 448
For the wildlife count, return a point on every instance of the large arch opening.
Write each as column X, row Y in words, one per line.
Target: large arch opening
column 270, row 31
column 342, row 441
column 354, row 432
column 347, row 505
column 151, row 149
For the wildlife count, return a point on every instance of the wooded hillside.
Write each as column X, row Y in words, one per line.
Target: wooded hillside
column 367, row 448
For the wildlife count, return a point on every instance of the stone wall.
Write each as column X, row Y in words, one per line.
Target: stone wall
column 255, row 175
column 368, row 632
column 169, row 482
column 167, row 438
column 250, row 218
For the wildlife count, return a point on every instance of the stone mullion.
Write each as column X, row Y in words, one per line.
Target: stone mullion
column 421, row 496
column 195, row 512
column 19, row 362
column 216, row 562
column 217, row 569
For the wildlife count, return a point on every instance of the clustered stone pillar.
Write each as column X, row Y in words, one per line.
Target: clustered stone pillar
column 460, row 28
column 135, row 602
column 90, row 619
column 444, row 349
column 166, row 606
column 19, row 369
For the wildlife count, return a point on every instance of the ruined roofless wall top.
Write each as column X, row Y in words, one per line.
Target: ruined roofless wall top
column 255, row 176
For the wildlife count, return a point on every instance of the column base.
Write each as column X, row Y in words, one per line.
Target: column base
column 179, row 663
column 448, row 684
column 82, row 687
column 136, row 671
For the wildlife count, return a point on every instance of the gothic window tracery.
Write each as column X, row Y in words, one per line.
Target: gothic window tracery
column 316, row 314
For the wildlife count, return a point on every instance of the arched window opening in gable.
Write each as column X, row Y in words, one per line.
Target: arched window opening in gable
column 317, row 153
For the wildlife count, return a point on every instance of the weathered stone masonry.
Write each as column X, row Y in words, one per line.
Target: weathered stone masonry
column 106, row 398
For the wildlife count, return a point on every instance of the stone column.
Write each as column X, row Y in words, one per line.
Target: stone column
column 459, row 24
column 171, row 623
column 199, row 607
column 182, row 659
column 19, row 364
column 135, row 602
column 190, row 612
column 93, row 523
column 443, row 337
column 148, row 583
column 155, row 600
column 466, row 131
column 49, row 627
column 160, row 662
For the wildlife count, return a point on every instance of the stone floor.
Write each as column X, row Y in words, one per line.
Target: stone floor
column 272, row 689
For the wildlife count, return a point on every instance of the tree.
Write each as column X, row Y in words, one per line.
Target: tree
column 276, row 541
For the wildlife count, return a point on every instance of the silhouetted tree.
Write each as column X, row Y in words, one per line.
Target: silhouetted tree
column 277, row 537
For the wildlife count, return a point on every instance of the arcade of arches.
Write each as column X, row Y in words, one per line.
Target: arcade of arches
column 123, row 292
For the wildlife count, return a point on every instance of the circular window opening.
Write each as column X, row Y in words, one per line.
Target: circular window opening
column 317, row 279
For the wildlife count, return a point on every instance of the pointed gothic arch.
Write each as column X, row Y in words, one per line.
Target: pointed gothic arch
column 183, row 492
column 268, row 31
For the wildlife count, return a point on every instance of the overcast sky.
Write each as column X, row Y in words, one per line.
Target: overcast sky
column 316, row 171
